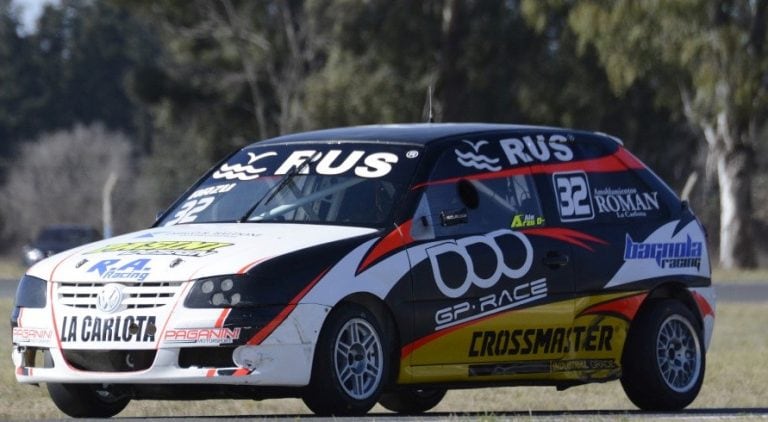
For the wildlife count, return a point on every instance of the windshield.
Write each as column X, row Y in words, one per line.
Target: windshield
column 346, row 183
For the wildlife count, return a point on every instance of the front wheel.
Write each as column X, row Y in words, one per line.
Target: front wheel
column 87, row 400
column 663, row 362
column 351, row 363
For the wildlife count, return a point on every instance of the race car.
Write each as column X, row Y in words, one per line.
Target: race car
column 385, row 264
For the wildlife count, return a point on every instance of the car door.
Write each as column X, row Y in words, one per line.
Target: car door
column 490, row 295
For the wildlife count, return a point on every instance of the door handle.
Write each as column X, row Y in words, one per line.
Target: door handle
column 555, row 260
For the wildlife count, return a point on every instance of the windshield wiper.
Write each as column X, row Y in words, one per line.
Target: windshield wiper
column 279, row 186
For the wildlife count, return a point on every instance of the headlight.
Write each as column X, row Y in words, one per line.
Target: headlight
column 31, row 292
column 222, row 292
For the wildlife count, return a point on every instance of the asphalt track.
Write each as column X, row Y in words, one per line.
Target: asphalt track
column 726, row 293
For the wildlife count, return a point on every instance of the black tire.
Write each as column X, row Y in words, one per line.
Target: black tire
column 351, row 363
column 411, row 401
column 87, row 400
column 664, row 357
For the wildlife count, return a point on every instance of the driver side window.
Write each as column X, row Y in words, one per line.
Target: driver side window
column 477, row 203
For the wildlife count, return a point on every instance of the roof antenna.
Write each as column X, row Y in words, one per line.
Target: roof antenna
column 430, row 109
column 431, row 118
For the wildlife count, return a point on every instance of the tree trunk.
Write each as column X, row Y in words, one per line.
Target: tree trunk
column 734, row 175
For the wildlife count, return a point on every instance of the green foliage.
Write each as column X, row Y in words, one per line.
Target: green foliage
column 71, row 70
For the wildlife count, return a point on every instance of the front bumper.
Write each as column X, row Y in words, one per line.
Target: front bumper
column 282, row 356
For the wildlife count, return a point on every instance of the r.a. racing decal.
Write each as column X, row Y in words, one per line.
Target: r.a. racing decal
column 116, row 269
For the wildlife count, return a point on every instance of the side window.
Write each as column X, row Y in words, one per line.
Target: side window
column 619, row 196
column 479, row 202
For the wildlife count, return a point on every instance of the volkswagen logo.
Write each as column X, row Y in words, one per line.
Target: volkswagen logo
column 109, row 298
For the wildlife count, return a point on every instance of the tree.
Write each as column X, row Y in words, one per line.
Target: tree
column 19, row 84
column 709, row 59
column 59, row 179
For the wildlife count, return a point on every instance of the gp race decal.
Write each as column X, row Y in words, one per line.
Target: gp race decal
column 165, row 247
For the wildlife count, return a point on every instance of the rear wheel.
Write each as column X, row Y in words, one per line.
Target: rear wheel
column 351, row 363
column 663, row 362
column 87, row 400
column 411, row 401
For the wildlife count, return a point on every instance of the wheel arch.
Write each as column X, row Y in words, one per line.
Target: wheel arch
column 669, row 290
column 678, row 291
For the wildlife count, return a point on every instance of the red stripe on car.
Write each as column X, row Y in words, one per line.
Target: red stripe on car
column 276, row 321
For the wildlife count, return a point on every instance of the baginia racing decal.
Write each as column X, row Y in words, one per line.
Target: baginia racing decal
column 667, row 251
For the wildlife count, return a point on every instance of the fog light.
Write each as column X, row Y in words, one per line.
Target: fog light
column 247, row 357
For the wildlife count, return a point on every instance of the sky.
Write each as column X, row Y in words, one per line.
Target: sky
column 30, row 10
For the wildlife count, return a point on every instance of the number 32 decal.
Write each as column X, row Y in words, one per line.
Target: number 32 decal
column 189, row 210
column 572, row 194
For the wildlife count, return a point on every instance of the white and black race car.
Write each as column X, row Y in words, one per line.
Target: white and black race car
column 384, row 264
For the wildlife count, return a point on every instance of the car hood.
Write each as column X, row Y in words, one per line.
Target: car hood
column 186, row 252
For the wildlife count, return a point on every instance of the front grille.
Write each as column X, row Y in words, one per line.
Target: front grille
column 137, row 294
column 110, row 360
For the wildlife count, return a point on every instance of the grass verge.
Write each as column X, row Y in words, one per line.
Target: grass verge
column 737, row 368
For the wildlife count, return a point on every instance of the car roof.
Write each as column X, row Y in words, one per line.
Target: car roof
column 412, row 133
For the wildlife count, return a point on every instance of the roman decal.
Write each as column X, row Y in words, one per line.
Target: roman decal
column 625, row 202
